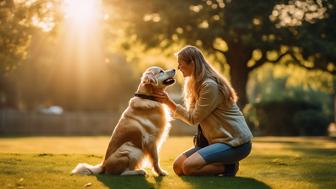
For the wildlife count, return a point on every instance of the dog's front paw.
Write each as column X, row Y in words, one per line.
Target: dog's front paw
column 162, row 173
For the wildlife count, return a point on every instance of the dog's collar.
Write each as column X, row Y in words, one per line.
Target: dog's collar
column 148, row 97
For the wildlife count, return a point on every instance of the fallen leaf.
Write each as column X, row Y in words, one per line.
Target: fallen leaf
column 88, row 184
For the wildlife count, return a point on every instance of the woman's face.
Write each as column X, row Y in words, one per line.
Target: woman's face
column 185, row 68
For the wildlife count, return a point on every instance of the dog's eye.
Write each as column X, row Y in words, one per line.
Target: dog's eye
column 161, row 71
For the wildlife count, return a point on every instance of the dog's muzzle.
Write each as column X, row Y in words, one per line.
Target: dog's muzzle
column 171, row 79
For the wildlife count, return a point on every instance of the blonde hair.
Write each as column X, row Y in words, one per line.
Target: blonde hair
column 202, row 71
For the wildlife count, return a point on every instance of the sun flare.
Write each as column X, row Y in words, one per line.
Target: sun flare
column 80, row 45
column 81, row 12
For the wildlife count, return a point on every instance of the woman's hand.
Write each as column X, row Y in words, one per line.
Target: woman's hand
column 164, row 98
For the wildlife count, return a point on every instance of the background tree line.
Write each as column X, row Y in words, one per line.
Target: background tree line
column 279, row 56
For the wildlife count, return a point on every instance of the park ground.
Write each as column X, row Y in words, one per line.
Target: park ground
column 275, row 162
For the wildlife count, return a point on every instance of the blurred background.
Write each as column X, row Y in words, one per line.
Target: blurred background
column 69, row 67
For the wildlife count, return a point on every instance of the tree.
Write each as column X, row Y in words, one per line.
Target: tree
column 17, row 21
column 248, row 33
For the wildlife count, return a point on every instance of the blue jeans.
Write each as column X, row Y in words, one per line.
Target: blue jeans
column 222, row 153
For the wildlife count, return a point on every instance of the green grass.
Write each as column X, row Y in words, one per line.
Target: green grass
column 45, row 162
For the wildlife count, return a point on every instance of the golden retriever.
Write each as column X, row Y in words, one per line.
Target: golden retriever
column 140, row 131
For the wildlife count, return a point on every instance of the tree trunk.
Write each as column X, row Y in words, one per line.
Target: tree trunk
column 237, row 59
column 239, row 77
column 334, row 83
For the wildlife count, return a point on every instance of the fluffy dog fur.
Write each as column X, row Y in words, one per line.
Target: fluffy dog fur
column 139, row 132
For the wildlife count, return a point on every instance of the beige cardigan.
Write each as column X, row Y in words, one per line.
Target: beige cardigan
column 219, row 123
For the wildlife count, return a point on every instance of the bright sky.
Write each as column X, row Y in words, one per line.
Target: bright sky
column 82, row 13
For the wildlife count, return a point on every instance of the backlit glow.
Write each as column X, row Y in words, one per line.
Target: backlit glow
column 81, row 12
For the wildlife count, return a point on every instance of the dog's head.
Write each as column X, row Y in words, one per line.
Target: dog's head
column 158, row 78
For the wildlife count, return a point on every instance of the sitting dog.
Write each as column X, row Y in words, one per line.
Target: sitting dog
column 140, row 131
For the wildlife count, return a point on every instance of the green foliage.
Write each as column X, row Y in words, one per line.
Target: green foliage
column 51, row 73
column 107, row 87
column 242, row 35
column 284, row 118
column 310, row 123
column 14, row 35
column 277, row 82
column 17, row 26
column 281, row 96
column 243, row 27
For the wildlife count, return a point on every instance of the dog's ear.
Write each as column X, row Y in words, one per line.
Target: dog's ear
column 149, row 78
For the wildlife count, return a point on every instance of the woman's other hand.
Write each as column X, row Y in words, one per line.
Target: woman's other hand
column 164, row 98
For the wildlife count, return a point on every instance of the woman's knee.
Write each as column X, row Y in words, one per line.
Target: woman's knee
column 178, row 163
column 189, row 168
column 192, row 165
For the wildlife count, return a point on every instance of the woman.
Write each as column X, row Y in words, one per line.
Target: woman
column 211, row 105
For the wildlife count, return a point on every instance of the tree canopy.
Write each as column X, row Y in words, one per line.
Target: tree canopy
column 248, row 33
column 17, row 20
column 243, row 34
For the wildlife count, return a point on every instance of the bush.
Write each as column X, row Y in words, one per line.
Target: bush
column 310, row 123
column 289, row 117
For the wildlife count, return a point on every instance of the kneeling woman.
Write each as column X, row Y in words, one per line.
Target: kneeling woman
column 211, row 105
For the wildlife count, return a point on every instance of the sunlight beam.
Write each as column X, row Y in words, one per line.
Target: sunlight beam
column 80, row 48
column 81, row 13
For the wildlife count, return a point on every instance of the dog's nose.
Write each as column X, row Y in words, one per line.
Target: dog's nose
column 174, row 71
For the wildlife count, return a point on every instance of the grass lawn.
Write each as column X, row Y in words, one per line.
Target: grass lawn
column 275, row 162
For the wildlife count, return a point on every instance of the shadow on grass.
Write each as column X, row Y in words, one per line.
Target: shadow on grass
column 208, row 182
column 224, row 182
column 124, row 181
column 320, row 170
column 309, row 161
column 316, row 151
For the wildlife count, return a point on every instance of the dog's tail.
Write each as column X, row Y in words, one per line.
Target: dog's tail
column 86, row 169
